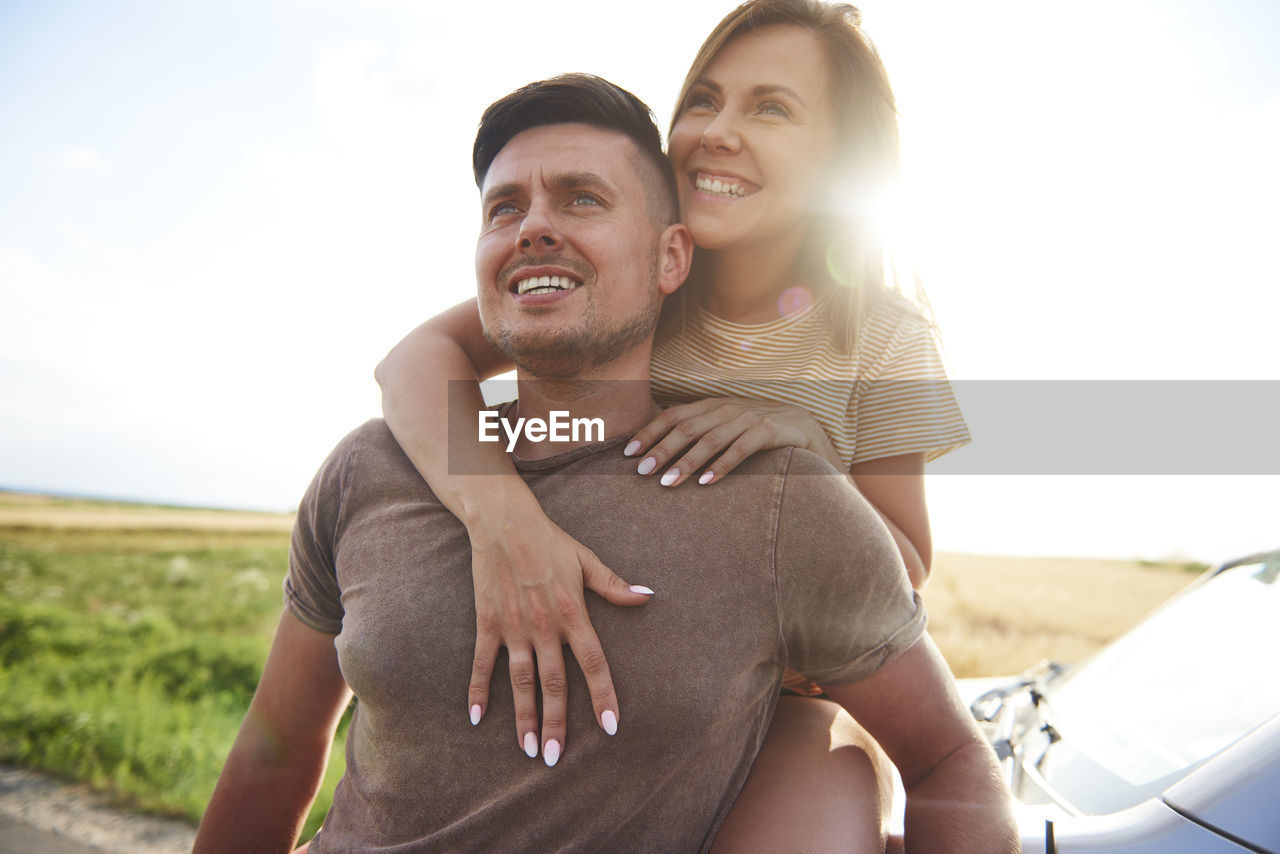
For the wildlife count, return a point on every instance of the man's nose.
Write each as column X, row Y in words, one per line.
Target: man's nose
column 538, row 229
column 721, row 135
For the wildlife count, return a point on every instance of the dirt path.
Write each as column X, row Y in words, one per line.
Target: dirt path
column 56, row 817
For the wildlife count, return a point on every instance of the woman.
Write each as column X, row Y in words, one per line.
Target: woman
column 785, row 128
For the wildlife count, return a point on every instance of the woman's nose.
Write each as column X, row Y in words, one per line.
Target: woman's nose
column 721, row 135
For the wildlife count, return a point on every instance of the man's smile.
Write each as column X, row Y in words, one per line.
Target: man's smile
column 545, row 281
column 545, row 284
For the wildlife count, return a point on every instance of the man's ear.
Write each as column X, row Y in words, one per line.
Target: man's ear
column 675, row 255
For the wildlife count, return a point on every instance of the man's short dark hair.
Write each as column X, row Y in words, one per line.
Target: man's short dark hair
column 578, row 99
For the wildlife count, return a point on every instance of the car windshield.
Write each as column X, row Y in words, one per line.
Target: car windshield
column 1187, row 682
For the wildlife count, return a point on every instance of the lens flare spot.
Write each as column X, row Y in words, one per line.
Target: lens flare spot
column 794, row 300
column 835, row 269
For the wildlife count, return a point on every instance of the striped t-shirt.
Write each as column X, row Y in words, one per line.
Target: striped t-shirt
column 889, row 396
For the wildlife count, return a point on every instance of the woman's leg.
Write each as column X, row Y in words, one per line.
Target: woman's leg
column 820, row 783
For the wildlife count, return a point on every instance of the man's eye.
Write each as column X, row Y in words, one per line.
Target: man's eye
column 501, row 209
column 584, row 199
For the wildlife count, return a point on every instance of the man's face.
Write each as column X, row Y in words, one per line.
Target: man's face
column 567, row 259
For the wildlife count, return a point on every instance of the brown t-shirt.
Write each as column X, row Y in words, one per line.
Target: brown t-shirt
column 781, row 563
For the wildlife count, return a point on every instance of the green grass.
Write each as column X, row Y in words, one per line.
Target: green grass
column 128, row 658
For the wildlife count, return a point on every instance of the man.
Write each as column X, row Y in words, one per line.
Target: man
column 577, row 249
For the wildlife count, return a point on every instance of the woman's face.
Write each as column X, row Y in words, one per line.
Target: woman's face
column 752, row 144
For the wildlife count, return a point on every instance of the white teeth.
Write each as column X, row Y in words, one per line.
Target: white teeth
column 545, row 284
column 719, row 188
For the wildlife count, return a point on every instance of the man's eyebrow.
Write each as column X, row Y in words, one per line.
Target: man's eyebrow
column 570, row 180
column 499, row 191
column 561, row 181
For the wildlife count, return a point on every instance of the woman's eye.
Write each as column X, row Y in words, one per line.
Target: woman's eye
column 773, row 108
column 699, row 101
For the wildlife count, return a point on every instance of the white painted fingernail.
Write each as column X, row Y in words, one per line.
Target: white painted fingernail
column 609, row 721
column 551, row 752
column 647, row 465
column 640, row 588
column 670, row 477
column 531, row 745
column 631, row 448
column 706, row 477
column 475, row 714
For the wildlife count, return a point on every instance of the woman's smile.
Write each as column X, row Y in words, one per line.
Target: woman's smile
column 722, row 185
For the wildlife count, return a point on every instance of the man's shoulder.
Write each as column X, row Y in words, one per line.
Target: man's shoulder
column 369, row 450
column 786, row 463
column 802, row 462
column 374, row 432
column 815, row 489
column 373, row 435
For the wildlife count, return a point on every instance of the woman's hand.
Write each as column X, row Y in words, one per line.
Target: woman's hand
column 727, row 430
column 529, row 579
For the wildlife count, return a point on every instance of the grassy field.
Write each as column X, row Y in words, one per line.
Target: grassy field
column 131, row 637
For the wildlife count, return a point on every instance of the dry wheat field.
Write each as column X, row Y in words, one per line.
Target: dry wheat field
column 997, row 615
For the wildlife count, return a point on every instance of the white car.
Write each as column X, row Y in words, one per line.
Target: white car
column 1166, row 741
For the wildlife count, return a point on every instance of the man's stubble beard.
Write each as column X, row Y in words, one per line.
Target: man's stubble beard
column 560, row 354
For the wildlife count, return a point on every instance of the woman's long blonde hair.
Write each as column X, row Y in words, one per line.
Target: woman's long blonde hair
column 844, row 247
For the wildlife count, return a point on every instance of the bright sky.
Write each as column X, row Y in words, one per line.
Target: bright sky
column 215, row 217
